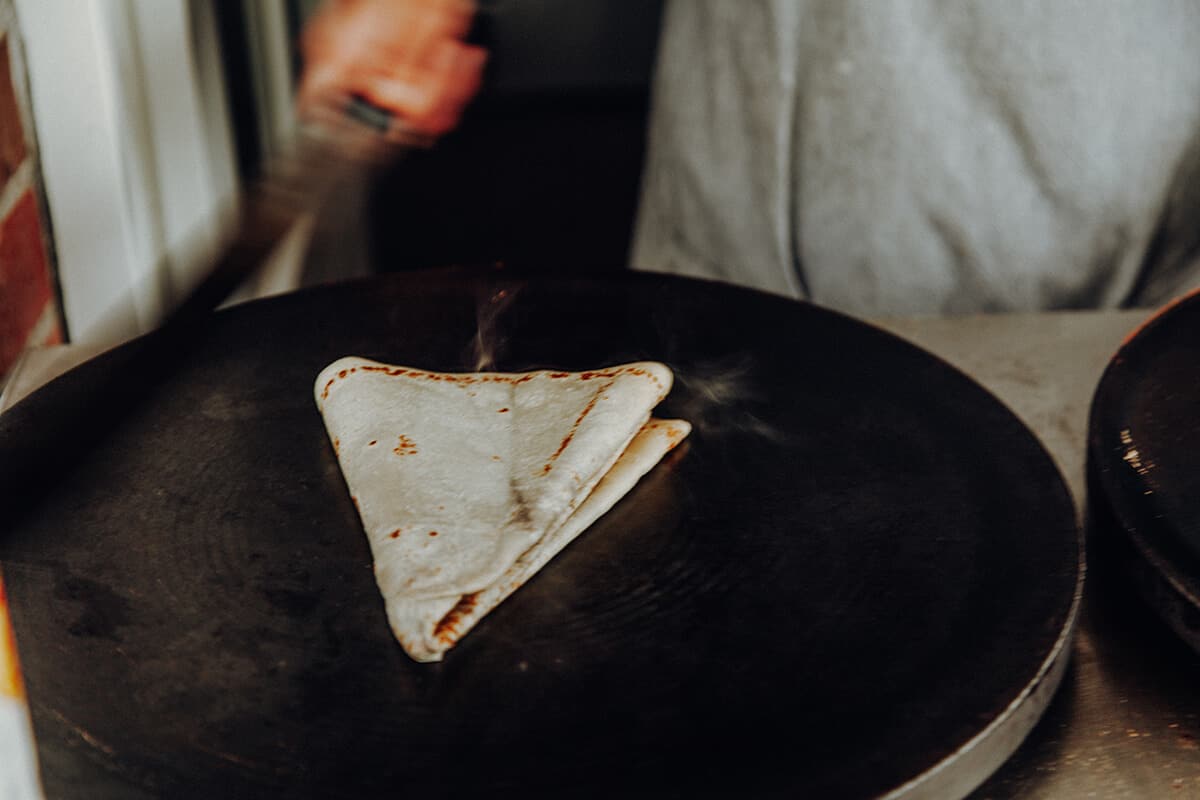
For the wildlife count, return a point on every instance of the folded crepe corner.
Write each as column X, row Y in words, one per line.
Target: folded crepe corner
column 468, row 484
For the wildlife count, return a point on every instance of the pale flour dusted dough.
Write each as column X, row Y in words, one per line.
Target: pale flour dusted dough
column 467, row 484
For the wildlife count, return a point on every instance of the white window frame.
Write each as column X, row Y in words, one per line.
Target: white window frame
column 136, row 149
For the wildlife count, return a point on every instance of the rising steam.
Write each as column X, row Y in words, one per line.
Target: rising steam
column 488, row 340
column 718, row 397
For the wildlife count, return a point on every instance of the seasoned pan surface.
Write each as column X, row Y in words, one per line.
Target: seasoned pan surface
column 857, row 564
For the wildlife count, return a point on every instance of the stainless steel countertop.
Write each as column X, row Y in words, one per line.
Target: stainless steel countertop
column 1126, row 721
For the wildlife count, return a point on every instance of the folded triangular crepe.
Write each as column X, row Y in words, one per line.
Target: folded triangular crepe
column 467, row 484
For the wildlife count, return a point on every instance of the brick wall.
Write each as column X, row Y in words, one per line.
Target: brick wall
column 29, row 308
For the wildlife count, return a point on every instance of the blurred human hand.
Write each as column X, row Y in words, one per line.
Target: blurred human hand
column 405, row 56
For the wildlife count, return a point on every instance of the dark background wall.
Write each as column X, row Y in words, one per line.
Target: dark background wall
column 569, row 45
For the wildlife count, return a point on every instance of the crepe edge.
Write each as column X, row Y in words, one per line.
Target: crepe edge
column 346, row 366
column 439, row 632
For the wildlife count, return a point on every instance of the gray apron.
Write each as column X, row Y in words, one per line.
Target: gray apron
column 928, row 156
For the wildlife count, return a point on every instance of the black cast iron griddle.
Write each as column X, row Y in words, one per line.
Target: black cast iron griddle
column 1144, row 463
column 858, row 576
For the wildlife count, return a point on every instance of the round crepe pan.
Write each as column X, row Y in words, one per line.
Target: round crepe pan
column 1144, row 464
column 858, row 577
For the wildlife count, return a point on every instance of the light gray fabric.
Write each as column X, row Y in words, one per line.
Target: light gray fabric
column 928, row 156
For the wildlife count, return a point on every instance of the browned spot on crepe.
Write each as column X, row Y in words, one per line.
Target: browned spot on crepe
column 574, row 428
column 447, row 627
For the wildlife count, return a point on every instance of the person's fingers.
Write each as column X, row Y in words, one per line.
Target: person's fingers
column 398, row 36
column 409, row 92
column 454, row 17
column 460, row 71
column 431, row 99
column 402, row 55
column 461, row 67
